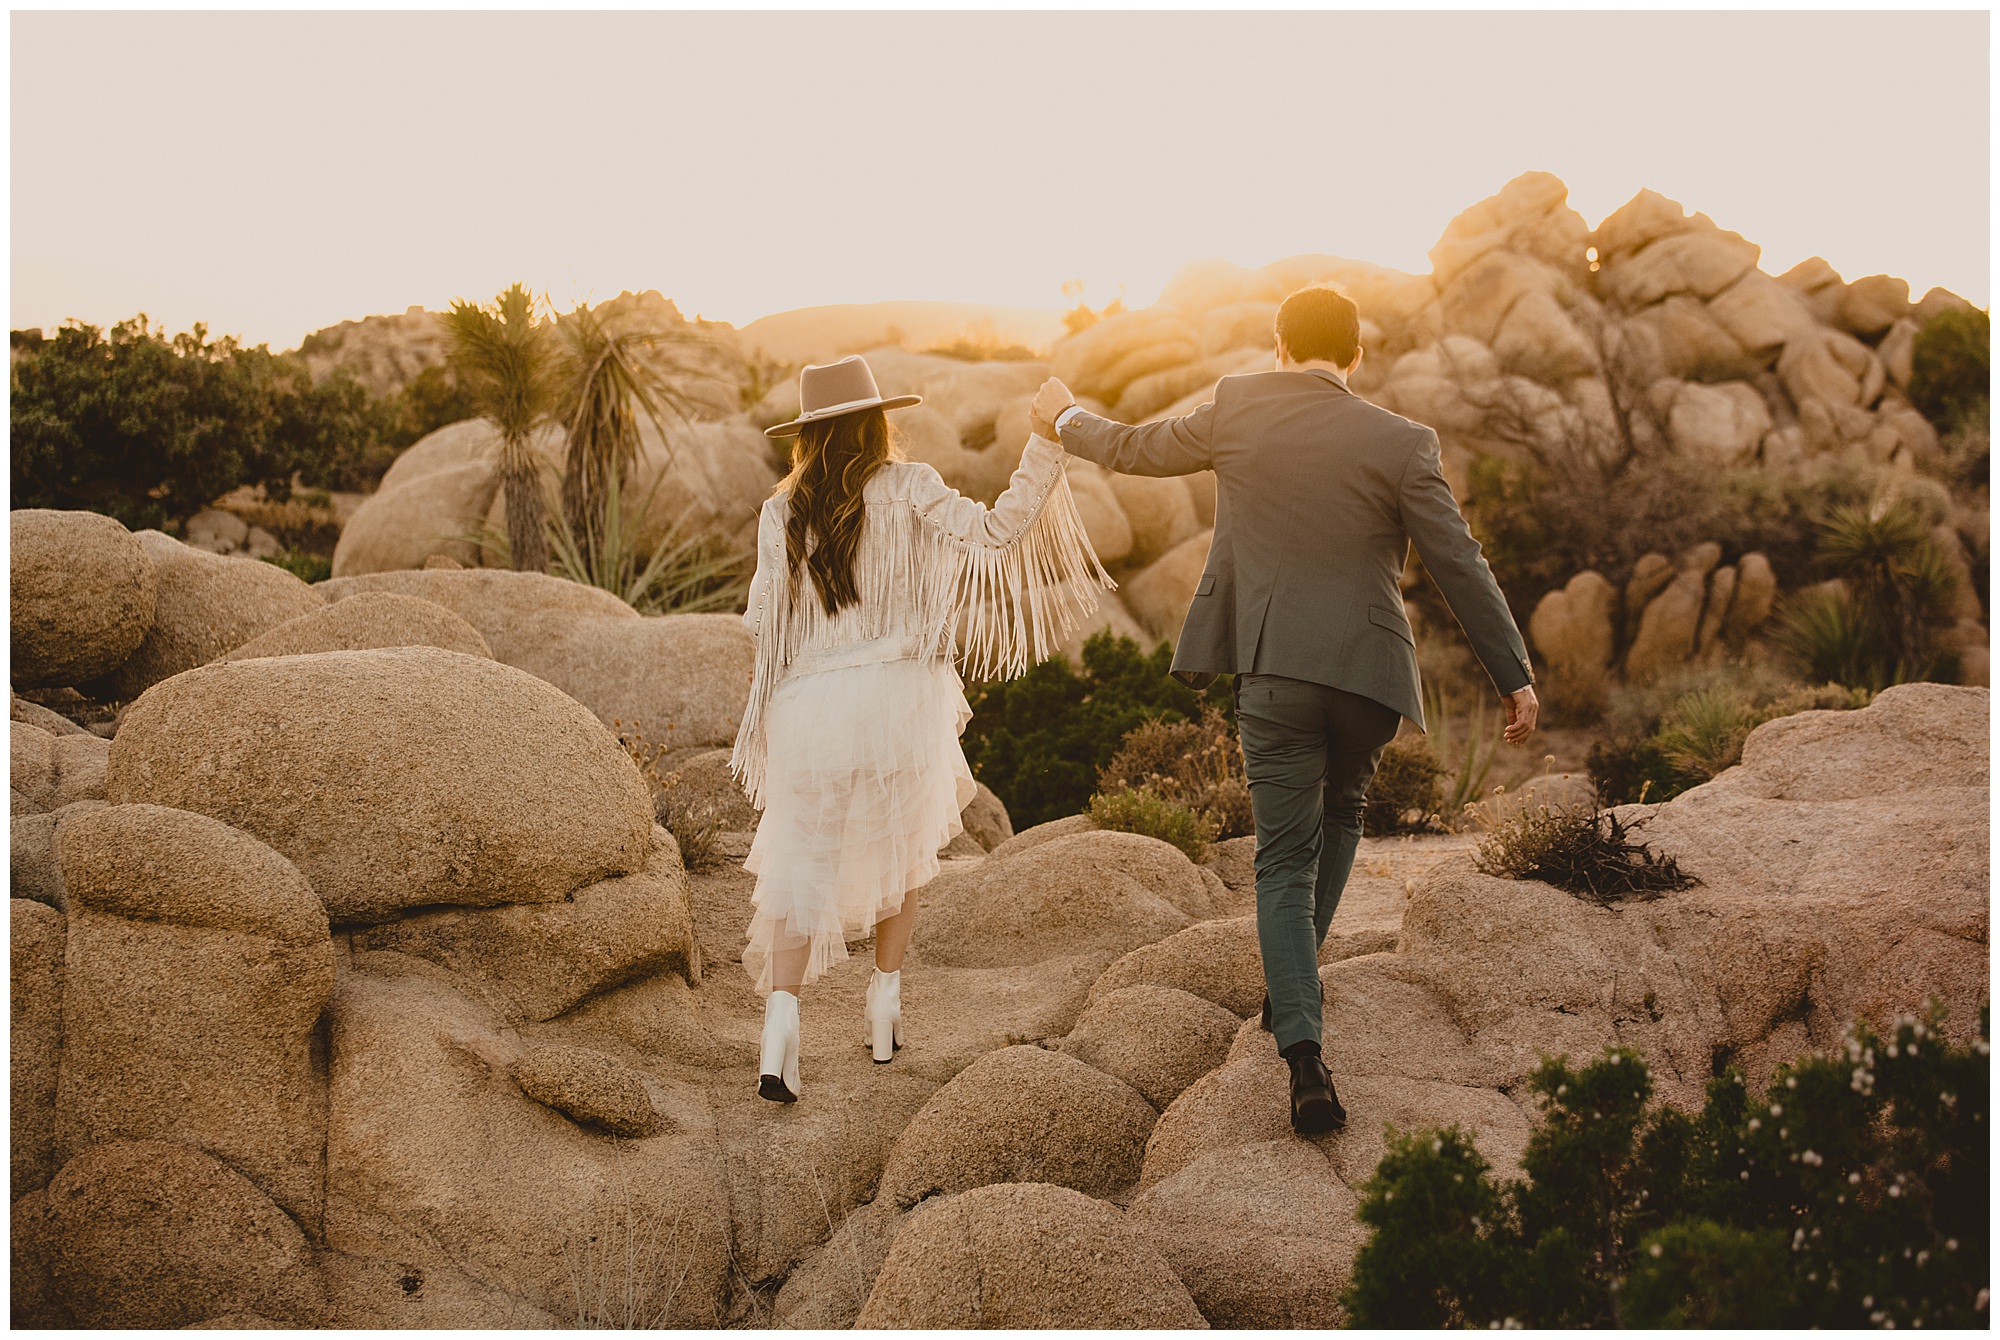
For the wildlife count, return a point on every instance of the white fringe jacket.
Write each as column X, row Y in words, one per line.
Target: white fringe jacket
column 1018, row 577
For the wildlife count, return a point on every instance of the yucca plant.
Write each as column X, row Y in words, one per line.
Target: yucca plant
column 506, row 363
column 611, row 375
column 1871, row 627
column 681, row 572
column 1466, row 769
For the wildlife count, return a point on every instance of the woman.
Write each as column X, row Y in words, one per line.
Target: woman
column 867, row 565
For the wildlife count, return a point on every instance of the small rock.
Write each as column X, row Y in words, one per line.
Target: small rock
column 588, row 1087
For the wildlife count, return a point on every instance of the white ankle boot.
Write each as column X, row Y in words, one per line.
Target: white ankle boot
column 885, row 1014
column 778, row 1059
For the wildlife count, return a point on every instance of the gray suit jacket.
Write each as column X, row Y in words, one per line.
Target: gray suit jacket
column 1319, row 495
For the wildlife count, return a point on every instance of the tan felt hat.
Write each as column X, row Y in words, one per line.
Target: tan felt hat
column 830, row 389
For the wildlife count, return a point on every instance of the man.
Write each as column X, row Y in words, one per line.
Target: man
column 1318, row 496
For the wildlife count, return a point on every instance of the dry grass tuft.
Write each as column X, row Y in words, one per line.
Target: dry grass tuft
column 695, row 823
column 1197, row 765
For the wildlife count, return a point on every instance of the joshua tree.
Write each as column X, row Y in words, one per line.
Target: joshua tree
column 505, row 359
column 610, row 374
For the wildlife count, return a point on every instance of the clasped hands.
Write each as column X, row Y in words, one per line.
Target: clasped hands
column 1049, row 402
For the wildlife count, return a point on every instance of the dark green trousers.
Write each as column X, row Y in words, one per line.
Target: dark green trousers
column 1310, row 752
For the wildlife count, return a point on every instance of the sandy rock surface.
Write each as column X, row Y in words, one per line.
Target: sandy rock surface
column 394, row 778
column 369, row 620
column 154, row 1233
column 1025, row 1256
column 82, row 595
column 197, row 966
column 205, row 605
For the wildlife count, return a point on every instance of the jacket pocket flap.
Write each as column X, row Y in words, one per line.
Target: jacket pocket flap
column 1206, row 584
column 1392, row 621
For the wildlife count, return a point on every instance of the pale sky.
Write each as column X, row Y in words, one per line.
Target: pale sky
column 275, row 173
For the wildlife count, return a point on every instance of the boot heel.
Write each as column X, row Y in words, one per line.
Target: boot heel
column 778, row 1055
column 884, row 1040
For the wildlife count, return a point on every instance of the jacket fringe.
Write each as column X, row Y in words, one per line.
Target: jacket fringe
column 999, row 606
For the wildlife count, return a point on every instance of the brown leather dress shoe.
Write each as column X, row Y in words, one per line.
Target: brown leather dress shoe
column 1314, row 1106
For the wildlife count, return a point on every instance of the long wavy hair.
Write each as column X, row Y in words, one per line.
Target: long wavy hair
column 831, row 461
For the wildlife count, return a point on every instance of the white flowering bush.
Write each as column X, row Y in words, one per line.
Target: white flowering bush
column 1853, row 1193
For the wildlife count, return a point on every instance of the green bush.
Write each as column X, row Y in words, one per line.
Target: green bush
column 1143, row 810
column 1040, row 741
column 1950, row 367
column 1197, row 764
column 432, row 400
column 149, row 429
column 1405, row 794
column 1853, row 1193
column 306, row 567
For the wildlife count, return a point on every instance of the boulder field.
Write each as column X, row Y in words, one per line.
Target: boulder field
column 354, row 984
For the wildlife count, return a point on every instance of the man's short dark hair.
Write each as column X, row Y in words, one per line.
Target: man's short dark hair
column 1319, row 322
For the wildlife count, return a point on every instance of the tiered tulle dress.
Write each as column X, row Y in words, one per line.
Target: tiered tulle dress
column 849, row 743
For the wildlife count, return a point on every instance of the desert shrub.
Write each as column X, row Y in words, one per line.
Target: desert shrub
column 1853, row 1193
column 1040, row 740
column 1404, row 795
column 683, row 571
column 1585, row 851
column 1873, row 624
column 304, row 566
column 149, row 429
column 1664, row 738
column 1704, row 732
column 1570, row 492
column 1197, row 764
column 1139, row 809
column 1950, row 367
column 695, row 823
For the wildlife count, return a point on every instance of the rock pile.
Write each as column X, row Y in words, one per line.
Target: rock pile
column 354, row 985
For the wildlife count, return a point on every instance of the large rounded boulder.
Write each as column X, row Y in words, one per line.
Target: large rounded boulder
column 1021, row 1114
column 82, row 595
column 1263, row 1235
column 1155, row 1038
column 679, row 680
column 1025, row 1257
column 197, row 967
column 146, row 1233
column 507, row 608
column 365, row 622
column 207, row 604
column 394, row 778
column 1088, row 892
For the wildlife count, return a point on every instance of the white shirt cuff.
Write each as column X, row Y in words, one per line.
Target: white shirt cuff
column 1067, row 415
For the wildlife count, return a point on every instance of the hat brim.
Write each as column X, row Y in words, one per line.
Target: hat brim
column 891, row 402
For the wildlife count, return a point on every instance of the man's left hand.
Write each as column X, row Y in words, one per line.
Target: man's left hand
column 1050, row 401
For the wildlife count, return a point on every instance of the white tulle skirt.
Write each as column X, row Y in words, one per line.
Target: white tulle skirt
column 865, row 783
